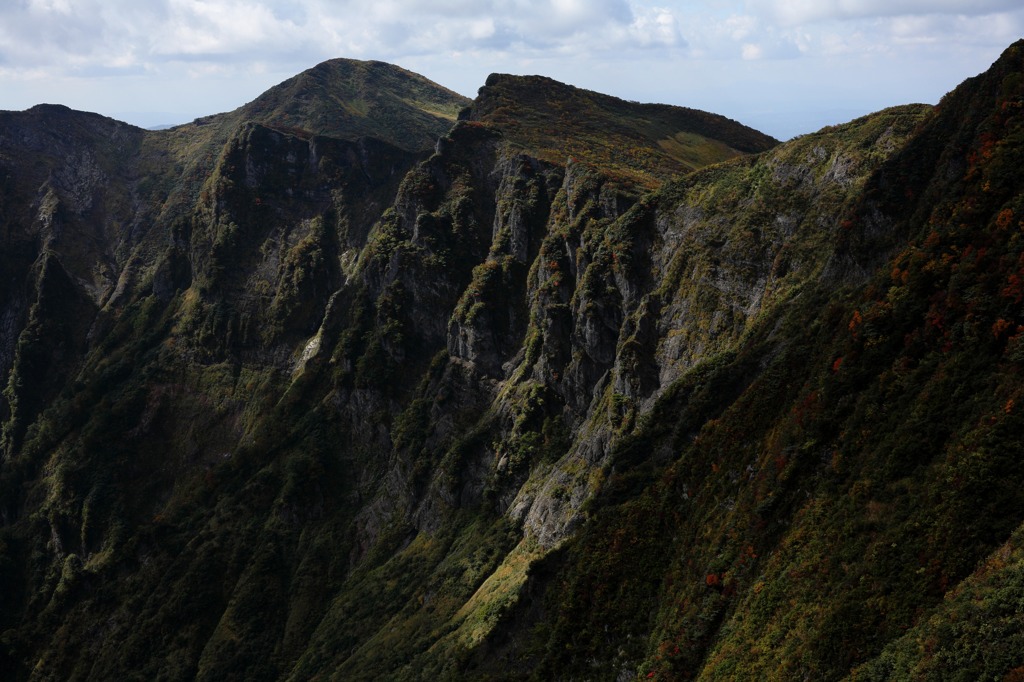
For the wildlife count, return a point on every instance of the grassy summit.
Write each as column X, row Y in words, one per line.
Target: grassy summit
column 348, row 98
column 641, row 144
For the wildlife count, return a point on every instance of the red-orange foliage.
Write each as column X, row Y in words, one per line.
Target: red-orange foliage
column 1000, row 327
column 1004, row 218
column 1014, row 288
column 855, row 322
column 1015, row 675
column 935, row 318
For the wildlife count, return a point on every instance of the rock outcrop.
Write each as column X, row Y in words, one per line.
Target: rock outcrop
column 336, row 385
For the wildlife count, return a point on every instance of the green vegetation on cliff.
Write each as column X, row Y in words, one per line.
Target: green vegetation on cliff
column 336, row 386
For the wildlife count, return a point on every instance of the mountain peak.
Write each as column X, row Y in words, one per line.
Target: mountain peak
column 349, row 98
column 639, row 143
column 59, row 111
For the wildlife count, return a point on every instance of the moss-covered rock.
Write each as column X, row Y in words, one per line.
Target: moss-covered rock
column 535, row 394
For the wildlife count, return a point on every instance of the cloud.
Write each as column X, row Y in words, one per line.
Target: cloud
column 81, row 36
column 757, row 30
column 208, row 55
column 70, row 36
column 656, row 27
column 912, row 34
column 195, row 27
column 796, row 12
column 745, row 37
column 525, row 26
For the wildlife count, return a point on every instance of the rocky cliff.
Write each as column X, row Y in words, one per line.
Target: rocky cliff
column 338, row 386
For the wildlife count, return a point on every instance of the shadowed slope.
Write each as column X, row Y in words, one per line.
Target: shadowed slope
column 642, row 144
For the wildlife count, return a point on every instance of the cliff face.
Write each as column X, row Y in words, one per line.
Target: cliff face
column 294, row 395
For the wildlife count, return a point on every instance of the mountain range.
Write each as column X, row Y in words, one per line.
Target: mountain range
column 368, row 380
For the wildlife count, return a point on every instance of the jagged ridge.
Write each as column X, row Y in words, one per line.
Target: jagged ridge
column 344, row 413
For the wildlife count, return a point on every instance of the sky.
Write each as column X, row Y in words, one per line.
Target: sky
column 785, row 67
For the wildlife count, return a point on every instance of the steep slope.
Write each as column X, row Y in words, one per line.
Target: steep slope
column 258, row 306
column 341, row 98
column 67, row 202
column 96, row 210
column 496, row 413
column 636, row 143
column 830, row 481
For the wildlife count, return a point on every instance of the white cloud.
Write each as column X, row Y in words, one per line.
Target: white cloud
column 481, row 29
column 72, row 35
column 743, row 36
column 656, row 27
column 195, row 27
column 794, row 12
column 82, row 36
column 220, row 53
column 751, row 51
column 786, row 29
column 47, row 6
column 741, row 27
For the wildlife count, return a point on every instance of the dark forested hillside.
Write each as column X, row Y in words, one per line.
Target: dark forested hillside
column 366, row 381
